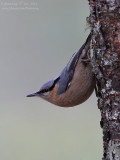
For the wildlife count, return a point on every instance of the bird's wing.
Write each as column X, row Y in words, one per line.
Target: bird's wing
column 68, row 72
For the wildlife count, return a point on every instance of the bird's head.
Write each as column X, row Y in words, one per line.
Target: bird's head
column 45, row 89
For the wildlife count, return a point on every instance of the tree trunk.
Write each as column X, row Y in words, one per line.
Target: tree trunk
column 104, row 20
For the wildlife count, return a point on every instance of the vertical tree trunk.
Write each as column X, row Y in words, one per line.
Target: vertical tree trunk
column 104, row 20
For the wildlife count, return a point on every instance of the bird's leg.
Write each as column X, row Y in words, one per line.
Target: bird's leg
column 86, row 55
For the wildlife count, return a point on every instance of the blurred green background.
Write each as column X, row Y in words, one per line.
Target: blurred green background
column 35, row 45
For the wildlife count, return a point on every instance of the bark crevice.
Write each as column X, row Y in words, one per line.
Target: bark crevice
column 104, row 20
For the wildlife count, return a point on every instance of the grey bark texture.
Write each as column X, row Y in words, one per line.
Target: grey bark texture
column 104, row 21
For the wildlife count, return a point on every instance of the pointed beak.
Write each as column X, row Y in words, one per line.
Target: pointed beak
column 32, row 95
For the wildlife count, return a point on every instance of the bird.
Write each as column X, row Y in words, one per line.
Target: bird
column 74, row 85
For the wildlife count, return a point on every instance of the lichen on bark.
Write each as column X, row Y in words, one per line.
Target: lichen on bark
column 104, row 20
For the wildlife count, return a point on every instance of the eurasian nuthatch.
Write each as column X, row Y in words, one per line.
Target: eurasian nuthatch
column 74, row 85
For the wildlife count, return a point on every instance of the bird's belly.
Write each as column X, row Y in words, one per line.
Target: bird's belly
column 80, row 89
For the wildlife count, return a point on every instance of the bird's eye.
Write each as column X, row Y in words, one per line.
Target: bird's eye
column 44, row 90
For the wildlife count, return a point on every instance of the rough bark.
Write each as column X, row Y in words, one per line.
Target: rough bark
column 104, row 20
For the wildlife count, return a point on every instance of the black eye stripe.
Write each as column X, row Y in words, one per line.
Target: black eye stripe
column 48, row 88
column 44, row 90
